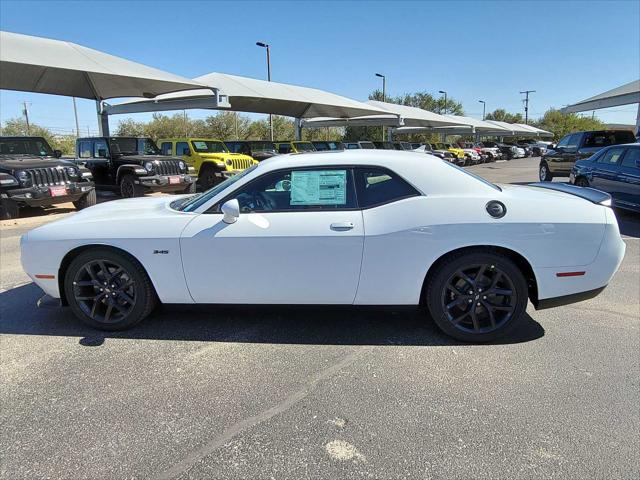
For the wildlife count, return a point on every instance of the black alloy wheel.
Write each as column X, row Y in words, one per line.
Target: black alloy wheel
column 477, row 296
column 129, row 188
column 104, row 291
column 108, row 290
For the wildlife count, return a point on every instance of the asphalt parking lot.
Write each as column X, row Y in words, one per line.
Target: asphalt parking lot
column 320, row 393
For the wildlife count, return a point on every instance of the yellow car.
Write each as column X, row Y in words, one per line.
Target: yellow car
column 211, row 158
column 295, row 147
column 458, row 152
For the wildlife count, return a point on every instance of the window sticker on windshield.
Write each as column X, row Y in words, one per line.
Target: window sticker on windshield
column 320, row 187
column 200, row 145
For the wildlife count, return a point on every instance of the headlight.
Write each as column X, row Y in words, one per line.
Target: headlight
column 148, row 166
column 182, row 165
column 23, row 177
column 229, row 162
column 72, row 172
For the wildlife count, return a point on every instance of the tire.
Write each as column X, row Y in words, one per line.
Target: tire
column 544, row 173
column 87, row 288
column 207, row 177
column 129, row 188
column 9, row 209
column 477, row 316
column 581, row 182
column 87, row 200
column 190, row 189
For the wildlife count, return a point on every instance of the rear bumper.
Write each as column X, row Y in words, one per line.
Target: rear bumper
column 41, row 196
column 568, row 299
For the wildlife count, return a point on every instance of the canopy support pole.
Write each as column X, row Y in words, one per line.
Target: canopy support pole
column 297, row 125
column 103, row 120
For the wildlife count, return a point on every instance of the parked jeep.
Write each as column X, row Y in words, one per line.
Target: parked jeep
column 32, row 174
column 257, row 149
column 211, row 159
column 133, row 166
column 557, row 161
column 295, row 147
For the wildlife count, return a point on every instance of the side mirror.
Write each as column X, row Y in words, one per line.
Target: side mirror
column 57, row 153
column 231, row 211
column 102, row 152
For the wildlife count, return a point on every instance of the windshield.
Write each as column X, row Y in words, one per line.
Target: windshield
column 25, row 146
column 304, row 147
column 263, row 147
column 133, row 146
column 209, row 146
column 367, row 145
column 193, row 203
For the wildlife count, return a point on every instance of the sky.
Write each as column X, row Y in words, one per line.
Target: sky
column 490, row 50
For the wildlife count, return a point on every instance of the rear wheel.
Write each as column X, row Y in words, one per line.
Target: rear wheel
column 9, row 209
column 545, row 174
column 477, row 297
column 87, row 200
column 108, row 290
column 129, row 188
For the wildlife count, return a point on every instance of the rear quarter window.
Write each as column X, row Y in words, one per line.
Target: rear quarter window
column 377, row 186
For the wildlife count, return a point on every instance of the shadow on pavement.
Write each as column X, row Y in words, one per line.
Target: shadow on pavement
column 245, row 324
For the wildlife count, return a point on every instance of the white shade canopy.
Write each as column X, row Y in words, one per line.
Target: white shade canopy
column 535, row 130
column 396, row 116
column 465, row 126
column 255, row 96
column 42, row 65
column 626, row 94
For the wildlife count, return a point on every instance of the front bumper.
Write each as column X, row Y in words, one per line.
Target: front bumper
column 166, row 183
column 40, row 196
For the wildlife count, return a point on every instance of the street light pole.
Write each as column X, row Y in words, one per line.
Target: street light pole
column 526, row 105
column 266, row 45
column 75, row 113
column 384, row 94
column 484, row 105
column 445, row 100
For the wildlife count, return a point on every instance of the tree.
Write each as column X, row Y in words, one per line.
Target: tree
column 561, row 124
column 501, row 115
column 18, row 127
column 283, row 129
column 130, row 128
column 423, row 100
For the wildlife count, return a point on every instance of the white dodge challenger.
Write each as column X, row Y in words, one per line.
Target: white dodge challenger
column 358, row 227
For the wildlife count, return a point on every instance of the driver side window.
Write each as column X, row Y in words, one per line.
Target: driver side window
column 298, row 189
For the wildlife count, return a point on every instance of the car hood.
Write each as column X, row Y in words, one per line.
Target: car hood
column 147, row 158
column 22, row 162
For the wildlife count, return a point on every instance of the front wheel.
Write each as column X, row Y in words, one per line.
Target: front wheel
column 209, row 177
column 545, row 174
column 477, row 297
column 129, row 188
column 108, row 290
column 9, row 209
column 582, row 182
column 87, row 200
column 190, row 189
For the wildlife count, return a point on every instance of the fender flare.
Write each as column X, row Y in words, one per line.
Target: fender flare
column 127, row 168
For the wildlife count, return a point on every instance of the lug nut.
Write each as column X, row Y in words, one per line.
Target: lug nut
column 484, row 297
column 478, row 303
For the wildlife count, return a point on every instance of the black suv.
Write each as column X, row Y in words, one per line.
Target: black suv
column 258, row 149
column 32, row 174
column 558, row 160
column 133, row 166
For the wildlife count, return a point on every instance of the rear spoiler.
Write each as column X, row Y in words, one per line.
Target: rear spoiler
column 591, row 194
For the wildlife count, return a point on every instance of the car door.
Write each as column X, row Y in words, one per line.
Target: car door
column 298, row 240
column 99, row 162
column 628, row 179
column 605, row 171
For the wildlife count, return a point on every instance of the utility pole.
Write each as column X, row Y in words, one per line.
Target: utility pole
column 75, row 113
column 484, row 106
column 25, row 112
column 445, row 100
column 526, row 105
column 266, row 45
column 384, row 94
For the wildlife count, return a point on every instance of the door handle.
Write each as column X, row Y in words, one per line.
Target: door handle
column 342, row 226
